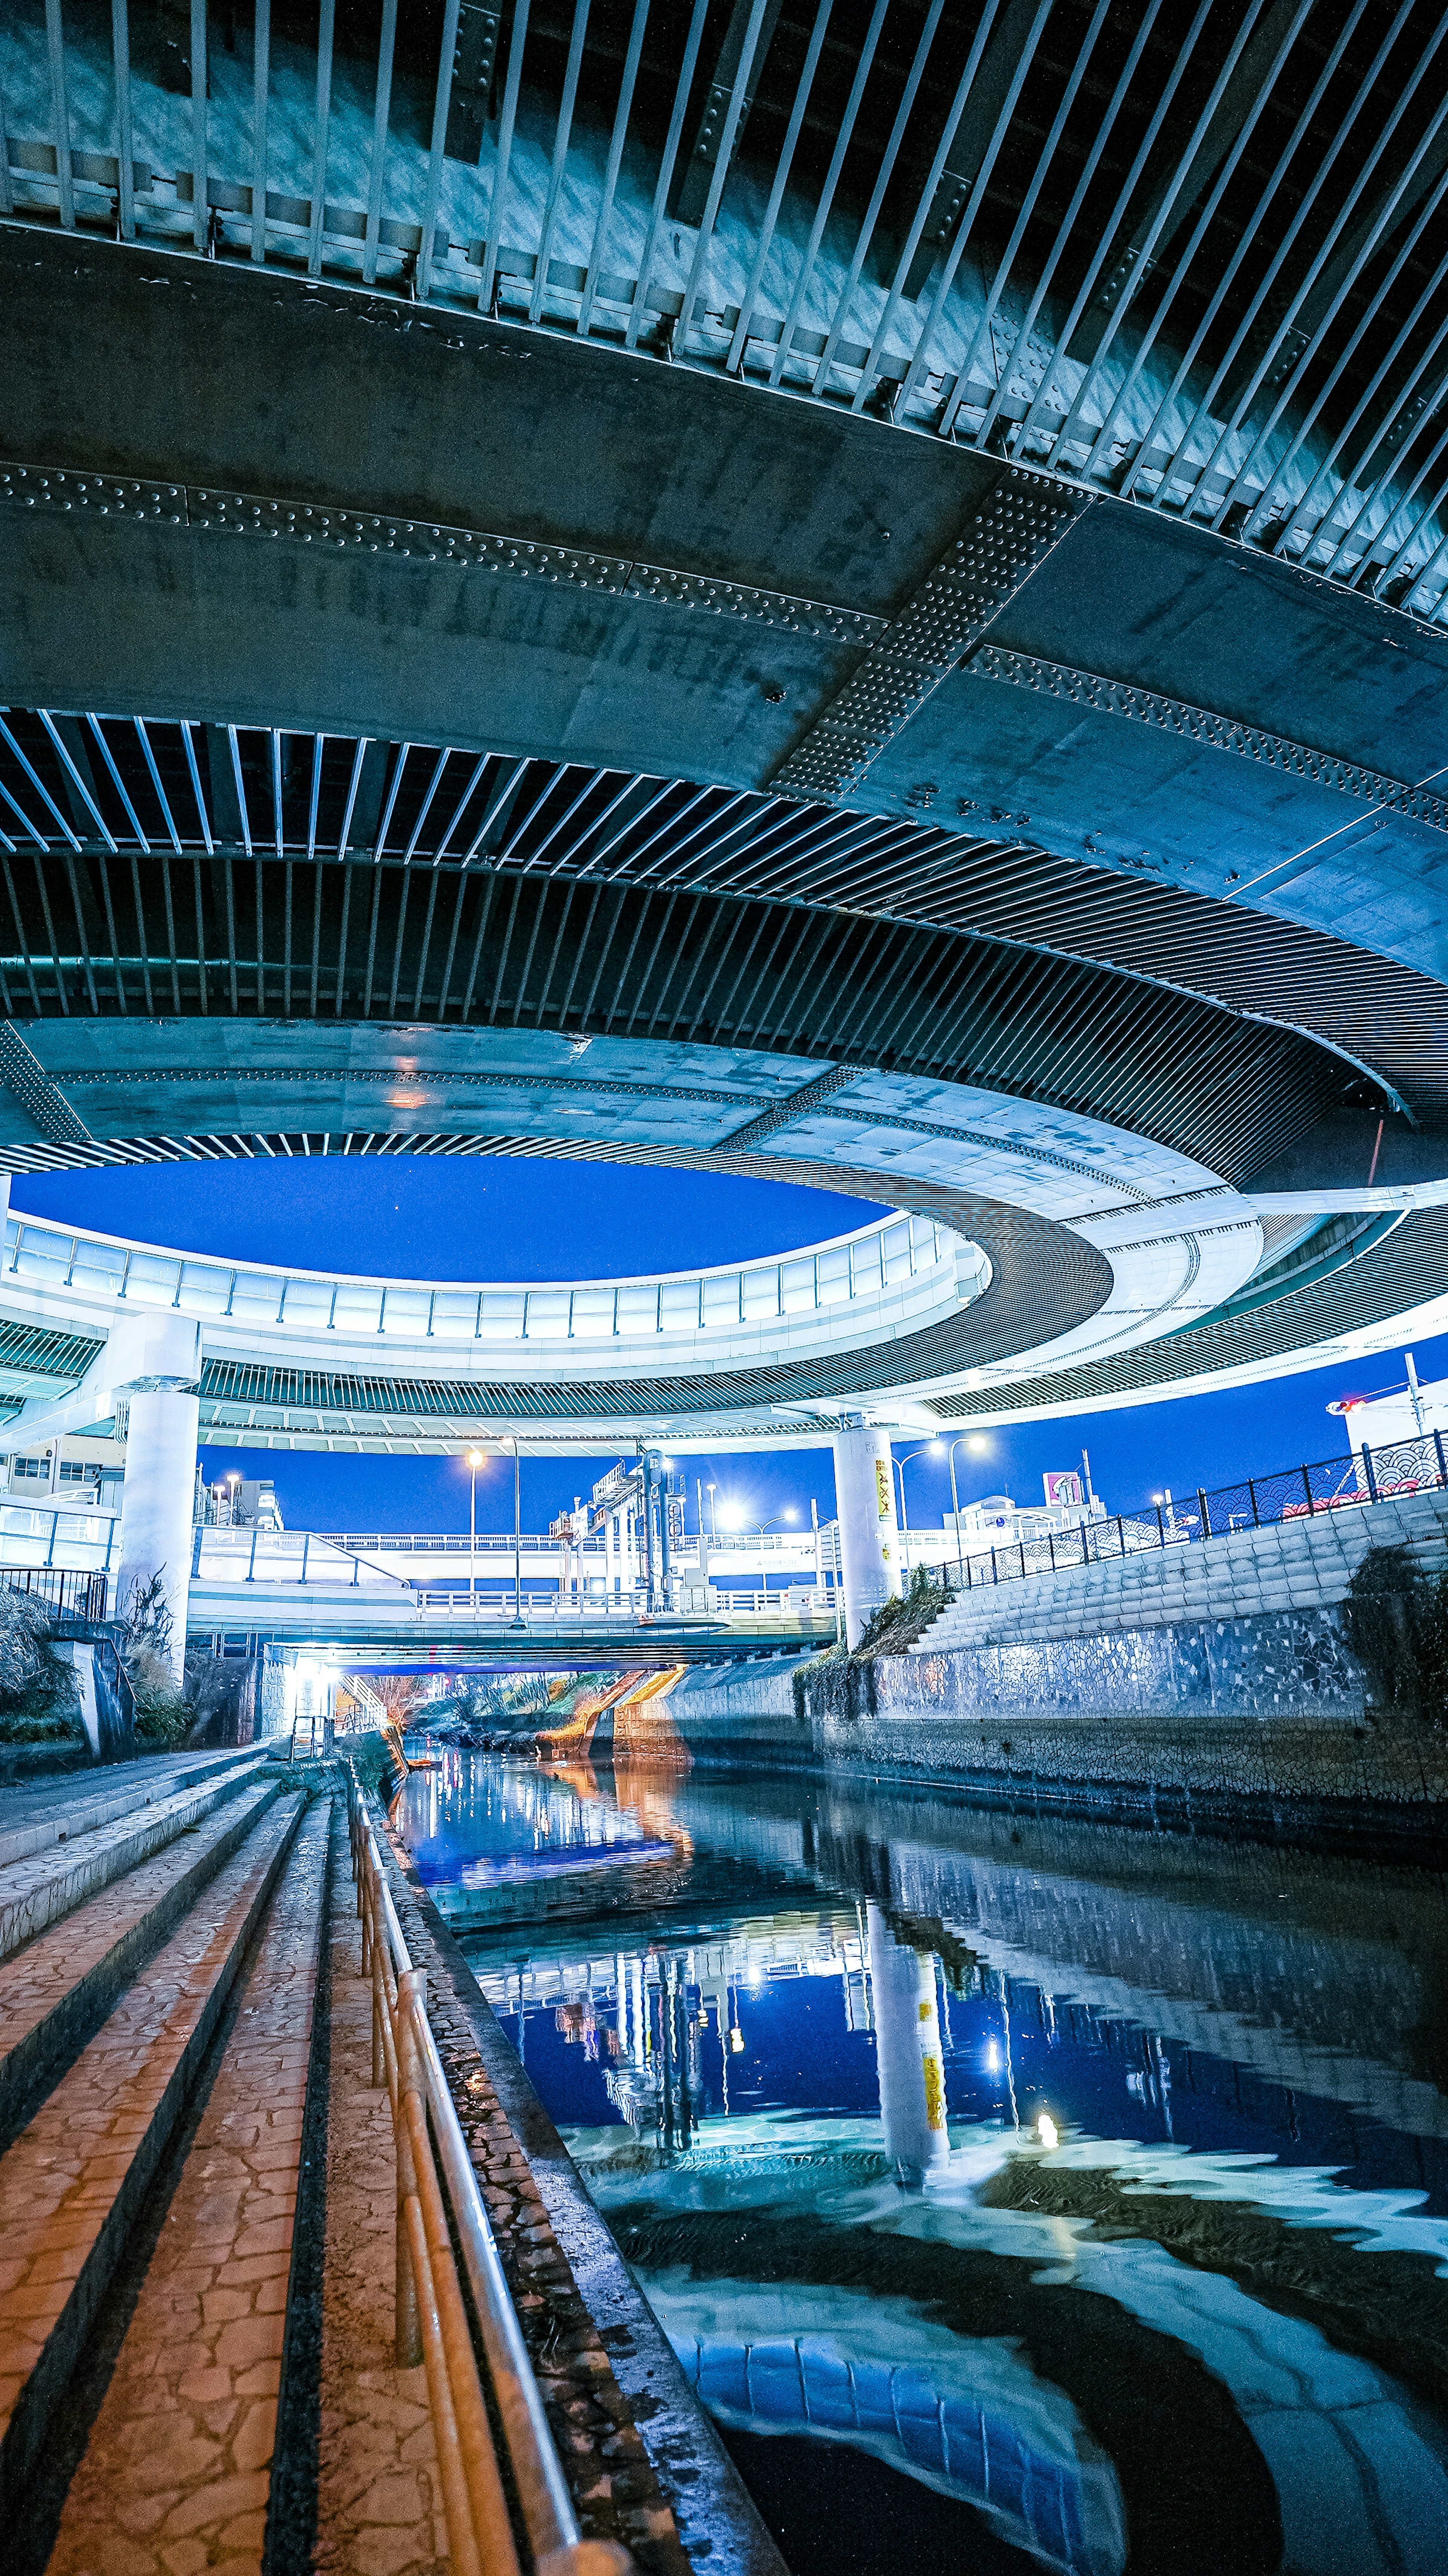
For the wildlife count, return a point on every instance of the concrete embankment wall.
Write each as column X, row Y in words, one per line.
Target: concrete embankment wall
column 1126, row 1709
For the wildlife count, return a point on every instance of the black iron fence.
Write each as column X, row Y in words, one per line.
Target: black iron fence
column 69, row 1594
column 77, row 1605
column 1256, row 1502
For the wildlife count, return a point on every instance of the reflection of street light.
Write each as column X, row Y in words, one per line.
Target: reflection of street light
column 475, row 1460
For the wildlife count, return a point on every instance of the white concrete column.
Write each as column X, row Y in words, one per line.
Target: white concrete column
column 869, row 1534
column 154, row 1363
column 907, row 2052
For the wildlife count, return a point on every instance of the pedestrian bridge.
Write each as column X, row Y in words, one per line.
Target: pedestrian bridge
column 410, row 1633
column 431, row 1596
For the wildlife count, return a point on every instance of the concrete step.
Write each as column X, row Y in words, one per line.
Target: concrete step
column 37, row 1890
column 73, row 2183
column 32, row 1818
column 57, row 1989
column 179, row 2455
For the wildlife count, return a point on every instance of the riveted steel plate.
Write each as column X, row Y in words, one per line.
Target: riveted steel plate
column 417, row 540
column 1218, row 732
column 23, row 1074
column 31, row 487
column 735, row 599
column 974, row 580
column 246, row 514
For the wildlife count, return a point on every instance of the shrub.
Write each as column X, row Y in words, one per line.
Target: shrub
column 1396, row 1622
column 38, row 1702
column 163, row 1715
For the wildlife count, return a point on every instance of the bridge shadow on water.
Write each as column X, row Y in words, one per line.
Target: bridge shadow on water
column 1012, row 2193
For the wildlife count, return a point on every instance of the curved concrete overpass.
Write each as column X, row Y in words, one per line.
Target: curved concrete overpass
column 853, row 601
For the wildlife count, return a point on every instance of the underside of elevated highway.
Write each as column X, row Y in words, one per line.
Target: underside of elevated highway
column 850, row 593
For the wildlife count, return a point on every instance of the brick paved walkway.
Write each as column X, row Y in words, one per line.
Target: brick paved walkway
column 43, row 1987
column 73, row 2182
column 51, row 1881
column 379, row 2507
column 177, row 2470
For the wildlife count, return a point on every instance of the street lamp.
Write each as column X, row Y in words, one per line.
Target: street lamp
column 967, row 1440
column 932, row 1448
column 733, row 1519
column 475, row 1460
column 518, row 1619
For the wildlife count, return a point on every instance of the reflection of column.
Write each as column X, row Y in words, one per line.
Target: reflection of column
column 907, row 2052
column 869, row 1537
column 156, row 1364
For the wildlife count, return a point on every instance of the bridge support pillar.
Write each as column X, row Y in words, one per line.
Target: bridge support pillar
column 907, row 2052
column 869, row 1533
column 156, row 1365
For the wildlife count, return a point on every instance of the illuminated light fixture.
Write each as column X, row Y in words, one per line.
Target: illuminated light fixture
column 1050, row 2135
column 978, row 1445
column 736, row 2039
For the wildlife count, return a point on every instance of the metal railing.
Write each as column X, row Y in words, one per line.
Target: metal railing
column 77, row 1606
column 901, row 1255
column 435, row 2179
column 271, row 1554
column 1290, row 1494
column 799, row 1544
column 70, row 1594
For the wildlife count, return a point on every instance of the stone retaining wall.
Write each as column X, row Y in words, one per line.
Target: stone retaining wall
column 1213, row 1720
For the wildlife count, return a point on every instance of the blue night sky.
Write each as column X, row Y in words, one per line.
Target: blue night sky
column 505, row 1219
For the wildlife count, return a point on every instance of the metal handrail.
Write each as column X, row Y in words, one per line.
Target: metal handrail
column 435, row 2175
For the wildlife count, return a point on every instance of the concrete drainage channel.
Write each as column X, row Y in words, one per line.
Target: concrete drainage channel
column 203, row 2086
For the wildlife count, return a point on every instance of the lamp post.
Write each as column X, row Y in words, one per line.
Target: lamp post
column 759, row 1527
column 475, row 1460
column 930, row 1448
column 518, row 1619
column 788, row 1515
column 970, row 1440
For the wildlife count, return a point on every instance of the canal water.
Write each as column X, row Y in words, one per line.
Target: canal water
column 1015, row 2194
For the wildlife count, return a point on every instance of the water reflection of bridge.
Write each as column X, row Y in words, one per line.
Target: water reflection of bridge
column 1270, row 1977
